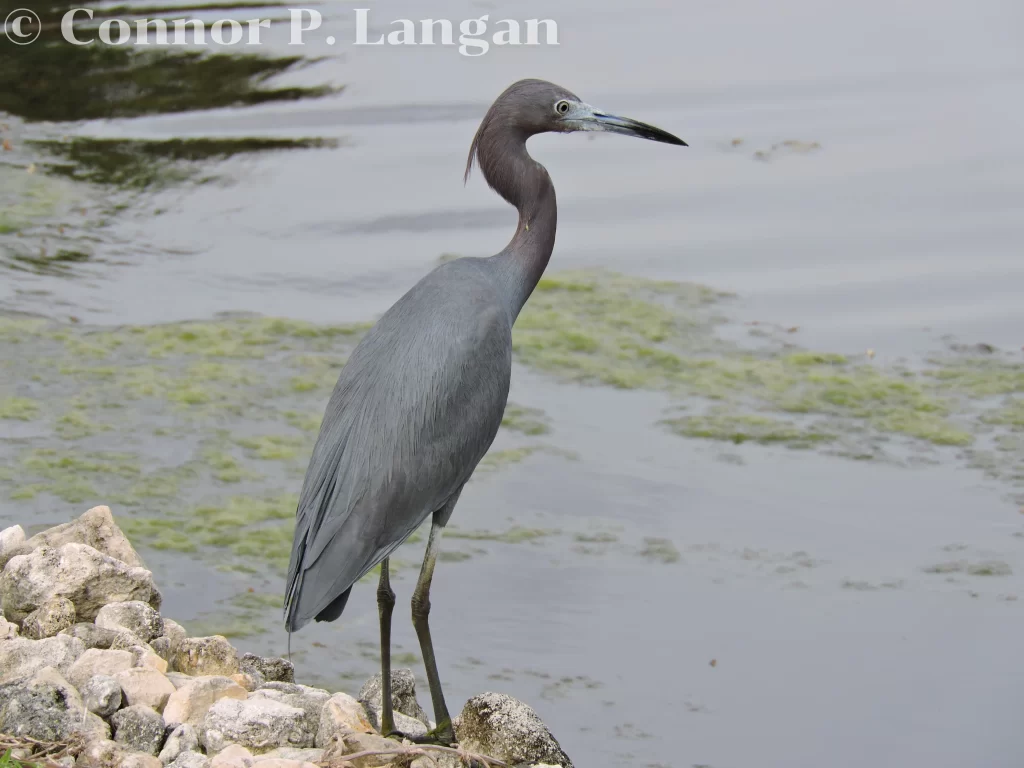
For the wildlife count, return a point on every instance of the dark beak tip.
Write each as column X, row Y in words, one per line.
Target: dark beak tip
column 668, row 138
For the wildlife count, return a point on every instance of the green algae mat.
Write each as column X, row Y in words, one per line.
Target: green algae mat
column 198, row 433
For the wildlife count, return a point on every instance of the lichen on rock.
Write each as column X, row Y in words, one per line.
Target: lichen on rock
column 49, row 619
column 139, row 728
column 83, row 575
column 134, row 616
column 96, row 527
column 498, row 725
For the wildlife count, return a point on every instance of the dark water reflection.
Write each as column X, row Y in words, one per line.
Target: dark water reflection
column 61, row 85
column 53, row 80
column 137, row 164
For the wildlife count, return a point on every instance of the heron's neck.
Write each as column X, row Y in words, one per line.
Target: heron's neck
column 524, row 183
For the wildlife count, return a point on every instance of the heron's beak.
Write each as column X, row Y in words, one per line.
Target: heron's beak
column 591, row 119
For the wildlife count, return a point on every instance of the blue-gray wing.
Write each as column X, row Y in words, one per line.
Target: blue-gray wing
column 416, row 407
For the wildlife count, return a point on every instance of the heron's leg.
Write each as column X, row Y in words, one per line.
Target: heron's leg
column 443, row 731
column 385, row 605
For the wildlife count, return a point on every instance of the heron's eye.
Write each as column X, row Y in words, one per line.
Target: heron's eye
column 562, row 107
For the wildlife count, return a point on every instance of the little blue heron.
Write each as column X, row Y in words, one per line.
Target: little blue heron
column 420, row 399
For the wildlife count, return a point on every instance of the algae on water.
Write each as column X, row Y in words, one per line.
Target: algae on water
column 720, row 424
column 529, row 421
column 238, row 401
column 27, row 199
column 659, row 550
column 199, row 432
column 629, row 333
column 21, row 408
column 514, row 535
column 196, row 432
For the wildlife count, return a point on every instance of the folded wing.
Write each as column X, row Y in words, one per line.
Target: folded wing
column 415, row 409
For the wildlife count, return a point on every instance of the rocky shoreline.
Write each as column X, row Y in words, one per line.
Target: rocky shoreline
column 92, row 675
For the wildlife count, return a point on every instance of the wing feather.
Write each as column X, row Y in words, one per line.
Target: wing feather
column 415, row 409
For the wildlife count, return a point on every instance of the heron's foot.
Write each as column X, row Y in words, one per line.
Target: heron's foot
column 441, row 736
column 435, row 737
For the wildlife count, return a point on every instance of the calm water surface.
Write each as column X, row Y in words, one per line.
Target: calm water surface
column 798, row 627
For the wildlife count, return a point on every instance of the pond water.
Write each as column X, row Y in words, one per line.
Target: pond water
column 770, row 521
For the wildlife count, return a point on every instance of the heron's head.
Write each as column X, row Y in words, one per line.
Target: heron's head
column 529, row 107
column 537, row 106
